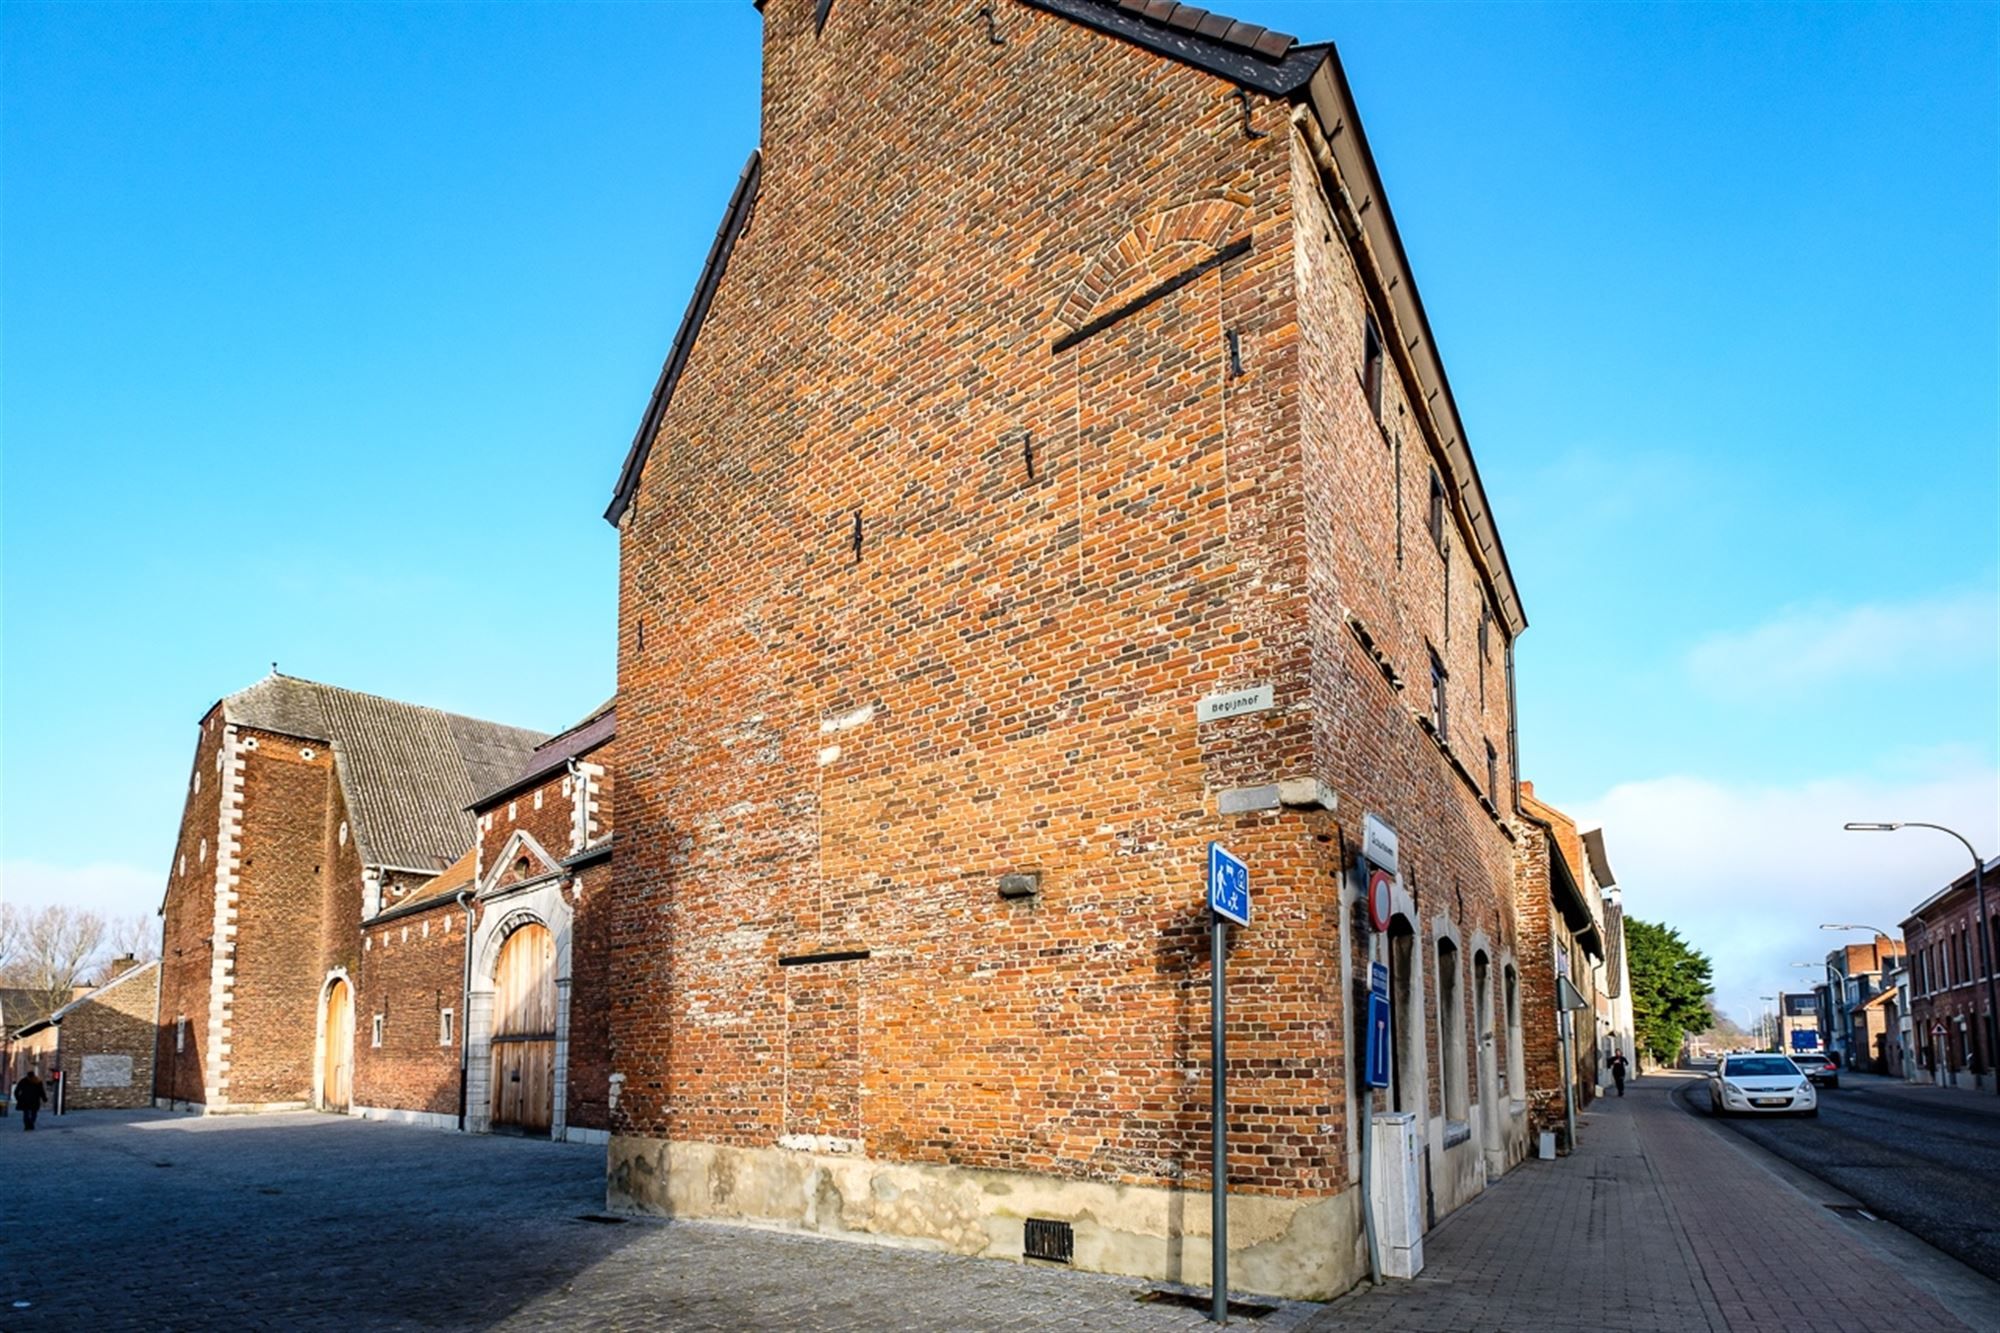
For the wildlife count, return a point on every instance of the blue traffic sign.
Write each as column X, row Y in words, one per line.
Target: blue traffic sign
column 1376, row 1074
column 1228, row 886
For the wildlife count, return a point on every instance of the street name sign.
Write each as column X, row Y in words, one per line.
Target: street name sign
column 1378, row 843
column 1235, row 703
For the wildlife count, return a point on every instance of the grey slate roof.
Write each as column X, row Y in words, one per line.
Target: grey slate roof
column 407, row 772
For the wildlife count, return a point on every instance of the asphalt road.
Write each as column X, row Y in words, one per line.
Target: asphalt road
column 1927, row 1160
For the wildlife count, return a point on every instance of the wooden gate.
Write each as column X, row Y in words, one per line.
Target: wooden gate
column 337, row 1056
column 524, row 1031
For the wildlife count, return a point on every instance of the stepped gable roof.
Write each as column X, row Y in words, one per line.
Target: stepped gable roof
column 552, row 754
column 407, row 772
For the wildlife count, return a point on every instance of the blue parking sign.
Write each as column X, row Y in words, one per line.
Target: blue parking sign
column 1228, row 885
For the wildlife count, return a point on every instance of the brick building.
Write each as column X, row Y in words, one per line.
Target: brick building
column 1054, row 471
column 309, row 809
column 105, row 1040
column 1856, row 1028
column 479, row 1002
column 1950, row 949
column 26, row 1039
column 1561, row 922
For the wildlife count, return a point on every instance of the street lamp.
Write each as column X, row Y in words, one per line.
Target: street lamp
column 1985, row 926
column 1767, row 1023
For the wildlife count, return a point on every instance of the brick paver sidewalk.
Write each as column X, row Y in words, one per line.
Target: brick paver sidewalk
column 1657, row 1222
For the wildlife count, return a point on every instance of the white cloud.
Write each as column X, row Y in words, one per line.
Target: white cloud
column 1747, row 874
column 109, row 887
column 1812, row 645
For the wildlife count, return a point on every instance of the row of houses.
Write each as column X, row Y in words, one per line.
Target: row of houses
column 1054, row 473
column 1917, row 1007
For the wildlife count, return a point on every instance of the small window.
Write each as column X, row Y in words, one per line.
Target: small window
column 1371, row 366
column 444, row 1027
column 180, row 1034
column 1438, row 718
column 1492, row 773
column 1485, row 645
column 375, row 1037
column 1436, row 519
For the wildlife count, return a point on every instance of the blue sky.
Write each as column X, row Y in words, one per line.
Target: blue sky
column 326, row 328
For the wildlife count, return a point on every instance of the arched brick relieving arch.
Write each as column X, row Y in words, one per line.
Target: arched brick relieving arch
column 1162, row 246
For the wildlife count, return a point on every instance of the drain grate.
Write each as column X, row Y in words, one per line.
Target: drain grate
column 1852, row 1211
column 1050, row 1240
column 604, row 1218
column 1201, row 1300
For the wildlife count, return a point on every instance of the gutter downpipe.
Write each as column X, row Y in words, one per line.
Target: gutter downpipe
column 464, row 899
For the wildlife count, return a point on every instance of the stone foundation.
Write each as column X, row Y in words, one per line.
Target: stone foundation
column 1298, row 1248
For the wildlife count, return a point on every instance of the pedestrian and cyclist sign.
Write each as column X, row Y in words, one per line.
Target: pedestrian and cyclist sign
column 1228, row 885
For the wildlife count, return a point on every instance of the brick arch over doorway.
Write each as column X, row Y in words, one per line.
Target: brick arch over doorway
column 545, row 905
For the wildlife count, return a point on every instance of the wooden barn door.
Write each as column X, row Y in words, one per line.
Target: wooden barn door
column 524, row 1031
column 337, row 1059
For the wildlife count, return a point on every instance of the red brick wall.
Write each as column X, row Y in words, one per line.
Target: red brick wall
column 1033, row 649
column 589, row 1009
column 340, row 910
column 117, row 1020
column 279, row 917
column 412, row 967
column 1364, row 557
column 545, row 812
column 189, row 921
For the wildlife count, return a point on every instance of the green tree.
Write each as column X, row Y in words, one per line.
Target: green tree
column 1670, row 987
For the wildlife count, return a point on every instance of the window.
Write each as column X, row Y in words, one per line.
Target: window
column 1438, row 718
column 1396, row 462
column 1510, row 989
column 1371, row 366
column 180, row 1034
column 1451, row 1033
column 1436, row 519
column 1492, row 773
column 1485, row 641
column 444, row 1027
column 375, row 1038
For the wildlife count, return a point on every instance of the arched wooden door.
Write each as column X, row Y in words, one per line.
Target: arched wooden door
column 337, row 1056
column 524, row 1031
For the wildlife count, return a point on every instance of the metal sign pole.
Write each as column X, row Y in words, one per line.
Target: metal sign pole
column 1218, row 1226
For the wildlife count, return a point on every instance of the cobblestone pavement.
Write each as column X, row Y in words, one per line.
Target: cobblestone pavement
column 141, row 1220
column 120, row 1221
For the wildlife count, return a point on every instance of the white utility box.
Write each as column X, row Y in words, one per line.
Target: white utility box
column 1398, row 1193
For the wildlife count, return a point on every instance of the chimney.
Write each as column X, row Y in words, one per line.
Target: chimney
column 120, row 965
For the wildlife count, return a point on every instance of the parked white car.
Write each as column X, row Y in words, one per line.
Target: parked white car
column 1765, row 1084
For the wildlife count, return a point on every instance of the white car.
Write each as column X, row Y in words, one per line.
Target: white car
column 1765, row 1084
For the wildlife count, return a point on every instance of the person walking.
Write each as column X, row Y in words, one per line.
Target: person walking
column 1618, row 1066
column 29, row 1094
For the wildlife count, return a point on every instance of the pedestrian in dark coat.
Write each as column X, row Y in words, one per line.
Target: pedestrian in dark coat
column 1618, row 1066
column 29, row 1094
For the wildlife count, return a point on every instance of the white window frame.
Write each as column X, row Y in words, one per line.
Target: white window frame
column 375, row 1032
column 447, row 1028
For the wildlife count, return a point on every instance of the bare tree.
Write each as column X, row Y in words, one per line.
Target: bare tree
column 136, row 936
column 53, row 949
